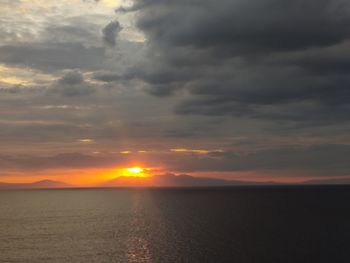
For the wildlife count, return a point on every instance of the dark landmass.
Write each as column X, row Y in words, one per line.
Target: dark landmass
column 341, row 181
column 44, row 184
column 166, row 180
column 171, row 180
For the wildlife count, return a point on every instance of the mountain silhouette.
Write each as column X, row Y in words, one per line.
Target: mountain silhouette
column 44, row 184
column 329, row 181
column 170, row 180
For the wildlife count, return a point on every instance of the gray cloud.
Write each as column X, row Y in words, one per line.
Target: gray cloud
column 241, row 27
column 317, row 160
column 50, row 57
column 252, row 78
column 110, row 33
column 13, row 89
column 72, row 78
column 60, row 161
column 77, row 31
column 257, row 59
column 320, row 160
column 108, row 77
column 72, row 84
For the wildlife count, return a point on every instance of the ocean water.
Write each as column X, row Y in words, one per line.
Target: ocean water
column 264, row 224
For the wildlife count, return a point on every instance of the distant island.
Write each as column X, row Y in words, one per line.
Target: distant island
column 165, row 180
column 44, row 184
column 170, row 180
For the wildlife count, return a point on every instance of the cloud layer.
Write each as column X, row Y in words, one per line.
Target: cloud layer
column 257, row 59
column 259, row 86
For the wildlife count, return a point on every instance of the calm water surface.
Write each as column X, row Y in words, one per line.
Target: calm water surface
column 275, row 225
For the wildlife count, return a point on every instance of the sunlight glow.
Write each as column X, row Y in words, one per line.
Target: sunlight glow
column 183, row 150
column 134, row 172
column 198, row 151
column 112, row 3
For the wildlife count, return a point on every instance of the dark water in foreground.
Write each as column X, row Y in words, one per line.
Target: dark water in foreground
column 275, row 225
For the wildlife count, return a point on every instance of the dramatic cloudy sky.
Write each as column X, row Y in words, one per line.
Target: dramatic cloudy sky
column 237, row 89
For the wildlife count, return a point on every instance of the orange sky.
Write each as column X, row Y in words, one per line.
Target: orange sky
column 95, row 177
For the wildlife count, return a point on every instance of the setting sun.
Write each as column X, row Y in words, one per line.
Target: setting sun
column 135, row 170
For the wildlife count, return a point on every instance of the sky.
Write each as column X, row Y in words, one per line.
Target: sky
column 252, row 90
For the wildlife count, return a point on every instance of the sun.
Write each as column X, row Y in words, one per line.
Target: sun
column 134, row 171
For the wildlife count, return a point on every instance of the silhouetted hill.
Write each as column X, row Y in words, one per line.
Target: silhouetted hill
column 44, row 184
column 329, row 181
column 170, row 180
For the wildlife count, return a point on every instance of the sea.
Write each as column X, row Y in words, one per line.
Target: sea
column 274, row 224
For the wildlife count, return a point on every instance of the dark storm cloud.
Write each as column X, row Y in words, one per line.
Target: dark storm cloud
column 50, row 57
column 72, row 84
column 72, row 78
column 319, row 61
column 252, row 59
column 110, row 33
column 320, row 159
column 246, row 26
column 107, row 77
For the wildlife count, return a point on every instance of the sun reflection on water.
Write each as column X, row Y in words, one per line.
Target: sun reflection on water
column 138, row 246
